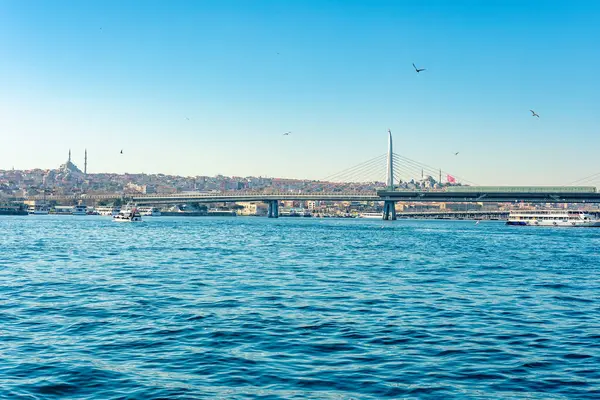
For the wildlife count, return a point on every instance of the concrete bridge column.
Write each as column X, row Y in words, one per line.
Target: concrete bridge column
column 389, row 210
column 273, row 208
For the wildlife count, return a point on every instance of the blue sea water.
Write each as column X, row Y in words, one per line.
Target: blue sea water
column 236, row 308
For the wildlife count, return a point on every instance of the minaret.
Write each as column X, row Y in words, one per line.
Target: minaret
column 390, row 163
column 85, row 164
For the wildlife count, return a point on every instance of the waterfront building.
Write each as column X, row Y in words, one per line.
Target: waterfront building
column 459, row 206
column 252, row 208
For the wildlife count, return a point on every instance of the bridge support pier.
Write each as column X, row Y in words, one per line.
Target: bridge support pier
column 273, row 208
column 389, row 210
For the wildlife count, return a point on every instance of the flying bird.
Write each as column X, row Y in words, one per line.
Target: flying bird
column 287, row 134
column 418, row 69
column 187, row 118
column 121, row 151
column 533, row 114
column 456, row 153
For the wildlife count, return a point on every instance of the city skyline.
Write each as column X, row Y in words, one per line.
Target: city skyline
column 370, row 172
column 210, row 88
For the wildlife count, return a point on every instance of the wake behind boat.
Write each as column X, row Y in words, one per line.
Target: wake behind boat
column 572, row 218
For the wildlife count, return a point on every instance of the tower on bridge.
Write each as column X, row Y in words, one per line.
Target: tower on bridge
column 390, row 163
column 389, row 206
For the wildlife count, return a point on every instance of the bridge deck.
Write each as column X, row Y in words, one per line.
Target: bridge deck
column 396, row 195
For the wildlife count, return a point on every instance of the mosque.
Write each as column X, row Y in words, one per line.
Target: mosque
column 68, row 172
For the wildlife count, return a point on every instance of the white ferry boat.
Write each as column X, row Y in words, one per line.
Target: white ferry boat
column 371, row 215
column 109, row 211
column 38, row 209
column 552, row 218
column 149, row 211
column 128, row 215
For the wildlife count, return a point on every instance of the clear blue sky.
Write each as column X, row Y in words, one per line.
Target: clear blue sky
column 112, row 75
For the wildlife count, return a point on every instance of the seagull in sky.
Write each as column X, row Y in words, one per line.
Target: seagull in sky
column 533, row 114
column 456, row 153
column 287, row 134
column 418, row 69
column 121, row 151
column 187, row 118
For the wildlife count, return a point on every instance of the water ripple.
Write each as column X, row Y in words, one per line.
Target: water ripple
column 294, row 308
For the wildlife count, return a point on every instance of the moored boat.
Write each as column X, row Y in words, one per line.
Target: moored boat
column 571, row 218
column 80, row 209
column 109, row 211
column 39, row 209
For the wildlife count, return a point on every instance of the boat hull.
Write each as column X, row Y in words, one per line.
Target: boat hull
column 516, row 223
column 571, row 224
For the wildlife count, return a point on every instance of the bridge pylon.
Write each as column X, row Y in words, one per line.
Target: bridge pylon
column 390, row 163
column 273, row 208
column 389, row 210
column 389, row 206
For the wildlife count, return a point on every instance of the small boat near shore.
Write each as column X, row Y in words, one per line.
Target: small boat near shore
column 128, row 215
column 565, row 218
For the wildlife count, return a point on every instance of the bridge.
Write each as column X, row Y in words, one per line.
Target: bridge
column 389, row 194
column 470, row 194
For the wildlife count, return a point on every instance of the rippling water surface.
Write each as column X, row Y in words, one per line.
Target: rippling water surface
column 296, row 308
